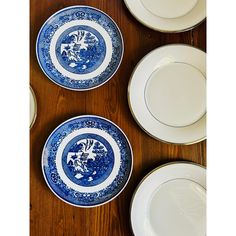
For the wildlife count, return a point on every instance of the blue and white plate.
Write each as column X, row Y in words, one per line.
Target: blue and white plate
column 87, row 161
column 79, row 48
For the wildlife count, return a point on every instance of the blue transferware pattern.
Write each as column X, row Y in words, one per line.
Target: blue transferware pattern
column 79, row 49
column 87, row 160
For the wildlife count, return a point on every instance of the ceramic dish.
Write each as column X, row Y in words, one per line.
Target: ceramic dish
column 171, row 200
column 87, row 161
column 79, row 48
column 167, row 94
column 168, row 15
column 33, row 107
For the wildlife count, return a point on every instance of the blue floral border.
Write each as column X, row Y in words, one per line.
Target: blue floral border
column 78, row 13
column 52, row 176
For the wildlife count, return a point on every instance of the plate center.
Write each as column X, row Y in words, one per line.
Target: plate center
column 80, row 49
column 88, row 160
column 178, row 208
column 175, row 94
column 169, row 8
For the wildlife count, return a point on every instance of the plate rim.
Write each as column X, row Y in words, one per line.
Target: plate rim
column 129, row 99
column 35, row 107
column 130, row 171
column 151, row 172
column 158, row 29
column 79, row 89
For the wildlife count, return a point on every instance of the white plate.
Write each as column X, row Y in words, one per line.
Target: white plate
column 168, row 15
column 33, row 107
column 171, row 200
column 167, row 94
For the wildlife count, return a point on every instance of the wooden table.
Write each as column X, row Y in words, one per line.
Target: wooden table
column 49, row 216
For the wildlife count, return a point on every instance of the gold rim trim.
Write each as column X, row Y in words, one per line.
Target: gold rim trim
column 129, row 102
column 151, row 172
column 162, row 30
column 35, row 106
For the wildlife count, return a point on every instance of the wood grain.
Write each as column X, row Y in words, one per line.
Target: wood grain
column 48, row 215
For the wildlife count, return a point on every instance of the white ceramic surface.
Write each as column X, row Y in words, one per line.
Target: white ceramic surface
column 33, row 107
column 176, row 94
column 169, row 8
column 168, row 15
column 171, row 200
column 167, row 94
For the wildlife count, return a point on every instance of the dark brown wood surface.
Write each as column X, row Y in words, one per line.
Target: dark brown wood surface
column 49, row 216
